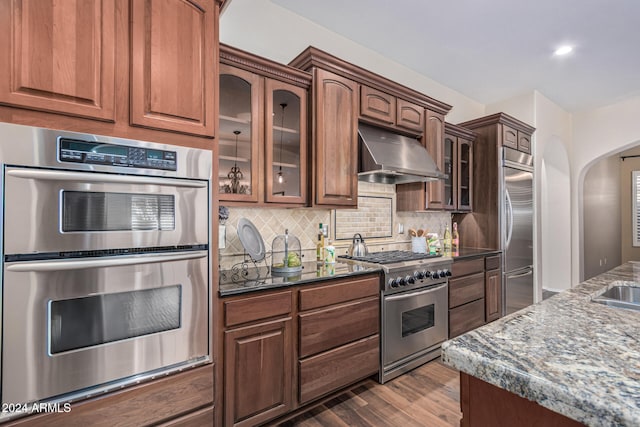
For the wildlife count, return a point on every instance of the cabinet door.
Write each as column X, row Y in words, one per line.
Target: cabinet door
column 449, row 185
column 239, row 138
column 410, row 116
column 258, row 373
column 336, row 140
column 172, row 60
column 59, row 56
column 434, row 135
column 493, row 295
column 524, row 142
column 464, row 174
column 377, row 105
column 509, row 137
column 286, row 143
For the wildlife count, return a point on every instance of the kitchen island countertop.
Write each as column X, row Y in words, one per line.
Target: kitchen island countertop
column 568, row 354
column 243, row 280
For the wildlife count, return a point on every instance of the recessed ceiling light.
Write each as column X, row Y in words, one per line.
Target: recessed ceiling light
column 563, row 50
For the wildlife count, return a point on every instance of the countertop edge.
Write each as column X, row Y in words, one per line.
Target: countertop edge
column 470, row 353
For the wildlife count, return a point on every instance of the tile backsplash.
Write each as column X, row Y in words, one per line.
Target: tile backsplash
column 373, row 219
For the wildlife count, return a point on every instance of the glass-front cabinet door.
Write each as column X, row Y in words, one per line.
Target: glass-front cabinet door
column 449, row 184
column 465, row 174
column 239, row 142
column 285, row 143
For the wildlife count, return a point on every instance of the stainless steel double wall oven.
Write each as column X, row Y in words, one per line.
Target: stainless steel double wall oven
column 106, row 272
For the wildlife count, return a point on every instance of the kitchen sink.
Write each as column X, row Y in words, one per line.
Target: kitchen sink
column 621, row 296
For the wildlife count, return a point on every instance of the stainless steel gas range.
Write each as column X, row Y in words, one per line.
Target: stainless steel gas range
column 414, row 308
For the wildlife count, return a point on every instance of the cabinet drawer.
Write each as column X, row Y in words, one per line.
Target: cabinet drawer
column 340, row 292
column 337, row 368
column 509, row 137
column 410, row 116
column 468, row 266
column 466, row 289
column 492, row 262
column 466, row 317
column 377, row 105
column 249, row 309
column 332, row 327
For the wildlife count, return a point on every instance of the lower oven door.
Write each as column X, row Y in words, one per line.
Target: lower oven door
column 413, row 321
column 73, row 324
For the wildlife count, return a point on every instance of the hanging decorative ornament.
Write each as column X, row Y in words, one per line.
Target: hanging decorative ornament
column 235, row 175
column 280, row 177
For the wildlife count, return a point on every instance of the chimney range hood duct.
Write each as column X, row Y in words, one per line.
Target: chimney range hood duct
column 390, row 158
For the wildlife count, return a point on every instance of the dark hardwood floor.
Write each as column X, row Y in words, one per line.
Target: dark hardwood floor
column 427, row 396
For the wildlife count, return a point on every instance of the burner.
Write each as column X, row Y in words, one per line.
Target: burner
column 389, row 257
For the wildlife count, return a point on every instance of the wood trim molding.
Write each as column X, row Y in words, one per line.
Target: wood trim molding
column 459, row 131
column 498, row 118
column 314, row 57
column 264, row 67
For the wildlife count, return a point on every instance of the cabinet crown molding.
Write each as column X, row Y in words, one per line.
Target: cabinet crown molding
column 459, row 131
column 498, row 118
column 264, row 67
column 314, row 57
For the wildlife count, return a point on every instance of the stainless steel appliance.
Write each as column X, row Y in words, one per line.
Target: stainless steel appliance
column 517, row 229
column 106, row 277
column 414, row 311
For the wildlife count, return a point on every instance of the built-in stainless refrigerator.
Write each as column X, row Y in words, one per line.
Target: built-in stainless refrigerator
column 517, row 230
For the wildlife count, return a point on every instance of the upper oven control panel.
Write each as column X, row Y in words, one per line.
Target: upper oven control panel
column 99, row 153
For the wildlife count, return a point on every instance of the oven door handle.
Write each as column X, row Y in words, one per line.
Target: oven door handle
column 119, row 261
column 414, row 294
column 50, row 175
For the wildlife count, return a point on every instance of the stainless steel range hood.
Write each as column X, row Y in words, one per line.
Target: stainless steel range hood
column 390, row 158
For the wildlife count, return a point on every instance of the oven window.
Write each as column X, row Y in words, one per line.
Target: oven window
column 95, row 211
column 418, row 319
column 85, row 322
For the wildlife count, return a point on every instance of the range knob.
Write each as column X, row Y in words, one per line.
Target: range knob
column 434, row 274
column 419, row 275
column 442, row 273
column 409, row 280
column 447, row 273
column 392, row 283
column 426, row 273
column 399, row 281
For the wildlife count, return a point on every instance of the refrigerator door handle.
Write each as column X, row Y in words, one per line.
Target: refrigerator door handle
column 526, row 272
column 509, row 218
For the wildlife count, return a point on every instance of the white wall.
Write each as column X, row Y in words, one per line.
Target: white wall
column 601, row 228
column 552, row 185
column 268, row 30
column 596, row 134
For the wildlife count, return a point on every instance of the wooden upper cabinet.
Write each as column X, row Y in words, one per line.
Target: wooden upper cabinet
column 464, row 175
column 450, row 183
column 509, row 137
column 285, row 143
column 435, row 146
column 410, row 116
column 336, row 139
column 59, row 56
column 524, row 142
column 172, row 59
column 240, row 135
column 377, row 105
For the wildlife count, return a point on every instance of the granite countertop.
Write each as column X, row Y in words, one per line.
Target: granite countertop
column 568, row 354
column 243, row 280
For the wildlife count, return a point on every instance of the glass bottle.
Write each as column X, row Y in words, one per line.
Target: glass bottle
column 447, row 241
column 320, row 245
column 455, row 240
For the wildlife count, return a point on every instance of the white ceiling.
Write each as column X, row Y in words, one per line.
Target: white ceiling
column 492, row 50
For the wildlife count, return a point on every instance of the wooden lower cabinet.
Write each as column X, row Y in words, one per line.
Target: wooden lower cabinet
column 258, row 372
column 484, row 404
column 168, row 398
column 284, row 349
column 337, row 368
column 475, row 293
